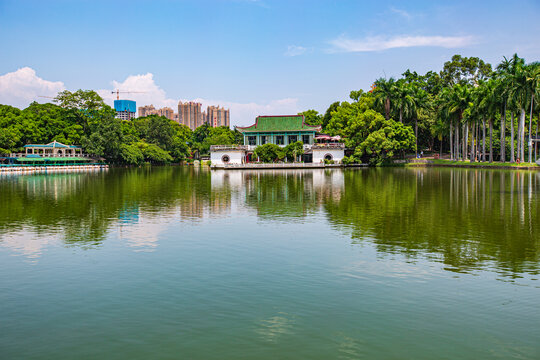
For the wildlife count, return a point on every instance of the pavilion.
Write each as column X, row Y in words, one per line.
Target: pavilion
column 280, row 130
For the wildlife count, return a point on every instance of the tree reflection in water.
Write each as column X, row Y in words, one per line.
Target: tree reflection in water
column 467, row 219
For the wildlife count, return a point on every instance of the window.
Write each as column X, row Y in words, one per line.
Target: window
column 328, row 157
column 305, row 139
column 225, row 158
column 293, row 139
column 264, row 140
column 252, row 140
column 279, row 140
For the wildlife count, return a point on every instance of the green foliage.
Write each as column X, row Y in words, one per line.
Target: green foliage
column 154, row 154
column 328, row 114
column 312, row 117
column 369, row 133
column 292, row 151
column 347, row 160
column 465, row 70
column 80, row 100
column 269, row 153
column 205, row 136
column 131, row 154
column 83, row 118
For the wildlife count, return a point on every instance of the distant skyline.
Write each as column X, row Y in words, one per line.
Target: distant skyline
column 254, row 57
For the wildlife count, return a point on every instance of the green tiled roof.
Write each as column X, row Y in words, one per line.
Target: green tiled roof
column 279, row 124
column 54, row 144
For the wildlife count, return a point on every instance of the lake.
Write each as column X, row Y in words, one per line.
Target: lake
column 189, row 263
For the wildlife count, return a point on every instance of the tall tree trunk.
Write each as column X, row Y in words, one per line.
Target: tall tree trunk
column 401, row 114
column 522, row 138
column 490, row 140
column 387, row 108
column 465, row 140
column 483, row 139
column 473, row 130
column 530, row 128
column 503, row 133
column 518, row 138
column 536, row 138
column 456, row 142
column 415, row 132
column 451, row 143
column 512, row 159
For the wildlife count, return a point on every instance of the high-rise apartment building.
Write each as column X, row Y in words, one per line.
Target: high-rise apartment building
column 151, row 110
column 147, row 110
column 217, row 116
column 189, row 114
column 167, row 112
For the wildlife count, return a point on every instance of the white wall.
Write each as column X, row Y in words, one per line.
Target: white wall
column 319, row 154
column 235, row 156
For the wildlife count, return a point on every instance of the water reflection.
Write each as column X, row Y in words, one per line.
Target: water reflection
column 467, row 219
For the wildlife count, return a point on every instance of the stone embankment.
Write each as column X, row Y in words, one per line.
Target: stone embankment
column 19, row 170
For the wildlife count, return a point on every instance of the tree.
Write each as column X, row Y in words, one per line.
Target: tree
column 293, row 150
column 312, row 117
column 131, row 154
column 464, row 71
column 88, row 100
column 269, row 153
column 459, row 100
column 328, row 114
column 384, row 93
column 105, row 140
column 154, row 154
column 372, row 137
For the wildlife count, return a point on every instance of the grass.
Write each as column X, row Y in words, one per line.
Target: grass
column 481, row 164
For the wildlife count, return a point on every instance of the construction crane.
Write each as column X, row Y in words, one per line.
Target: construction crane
column 118, row 92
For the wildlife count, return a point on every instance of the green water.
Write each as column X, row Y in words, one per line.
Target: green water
column 186, row 263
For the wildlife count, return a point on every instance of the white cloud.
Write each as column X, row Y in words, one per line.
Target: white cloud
column 142, row 89
column 378, row 43
column 401, row 12
column 293, row 50
column 21, row 87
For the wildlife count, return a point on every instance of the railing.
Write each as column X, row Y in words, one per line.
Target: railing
column 228, row 147
column 329, row 146
column 252, row 147
column 79, row 155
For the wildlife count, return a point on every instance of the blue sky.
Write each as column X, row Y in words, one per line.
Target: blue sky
column 256, row 57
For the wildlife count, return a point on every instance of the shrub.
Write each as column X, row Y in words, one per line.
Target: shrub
column 269, row 153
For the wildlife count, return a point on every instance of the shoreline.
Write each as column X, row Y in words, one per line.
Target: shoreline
column 466, row 164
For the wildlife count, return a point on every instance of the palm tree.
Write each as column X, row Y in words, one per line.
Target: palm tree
column 489, row 104
column 509, row 73
column 403, row 99
column 444, row 115
column 384, row 93
column 533, row 81
column 460, row 97
column 418, row 99
column 519, row 93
